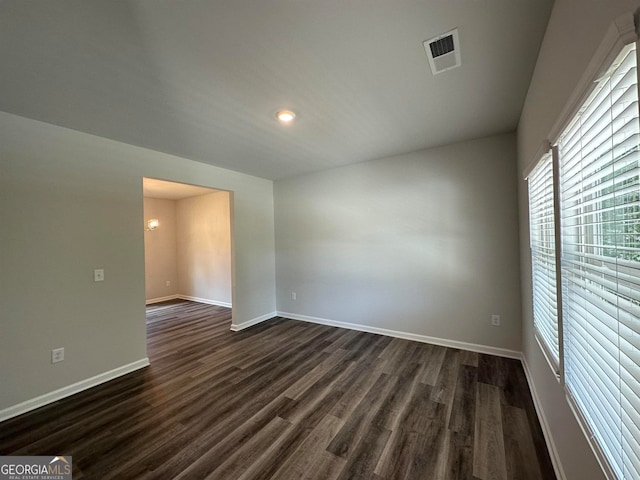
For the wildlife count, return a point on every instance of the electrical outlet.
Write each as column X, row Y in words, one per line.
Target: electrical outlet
column 98, row 275
column 168, row 283
column 293, row 295
column 57, row 355
column 495, row 320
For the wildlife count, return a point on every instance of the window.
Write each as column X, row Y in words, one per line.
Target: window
column 543, row 256
column 600, row 229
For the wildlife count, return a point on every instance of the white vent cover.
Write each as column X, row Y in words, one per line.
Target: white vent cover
column 443, row 51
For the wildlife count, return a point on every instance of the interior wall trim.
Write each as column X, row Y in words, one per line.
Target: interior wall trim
column 551, row 446
column 236, row 327
column 72, row 389
column 501, row 352
column 218, row 303
column 621, row 32
column 151, row 301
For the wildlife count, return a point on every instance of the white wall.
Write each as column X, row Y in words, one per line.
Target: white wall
column 160, row 249
column 575, row 31
column 204, row 247
column 71, row 202
column 424, row 243
column 191, row 249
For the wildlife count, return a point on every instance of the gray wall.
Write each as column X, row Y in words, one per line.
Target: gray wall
column 204, row 247
column 191, row 249
column 160, row 249
column 575, row 31
column 424, row 243
column 71, row 202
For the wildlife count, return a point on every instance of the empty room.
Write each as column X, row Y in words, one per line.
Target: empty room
column 319, row 240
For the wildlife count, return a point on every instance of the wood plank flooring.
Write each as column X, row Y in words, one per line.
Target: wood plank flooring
column 291, row 400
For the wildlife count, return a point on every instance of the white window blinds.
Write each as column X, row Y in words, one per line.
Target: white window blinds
column 600, row 222
column 543, row 255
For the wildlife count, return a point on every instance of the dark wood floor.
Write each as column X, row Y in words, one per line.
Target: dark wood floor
column 292, row 400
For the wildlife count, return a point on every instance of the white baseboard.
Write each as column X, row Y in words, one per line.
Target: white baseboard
column 69, row 390
column 236, row 327
column 219, row 303
column 551, row 446
column 501, row 352
column 161, row 299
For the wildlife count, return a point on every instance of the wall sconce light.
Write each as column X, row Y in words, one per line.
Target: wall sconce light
column 152, row 224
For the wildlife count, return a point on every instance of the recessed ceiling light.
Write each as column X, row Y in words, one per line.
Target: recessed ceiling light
column 285, row 116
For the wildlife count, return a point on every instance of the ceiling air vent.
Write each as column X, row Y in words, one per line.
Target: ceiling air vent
column 443, row 52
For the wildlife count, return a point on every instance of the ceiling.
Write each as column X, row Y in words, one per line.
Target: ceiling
column 171, row 190
column 203, row 79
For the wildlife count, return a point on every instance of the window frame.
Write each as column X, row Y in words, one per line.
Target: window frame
column 553, row 358
column 621, row 33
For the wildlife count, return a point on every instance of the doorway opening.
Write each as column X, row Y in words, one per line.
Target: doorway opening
column 188, row 243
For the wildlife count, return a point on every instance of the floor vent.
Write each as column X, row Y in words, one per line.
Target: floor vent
column 443, row 52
